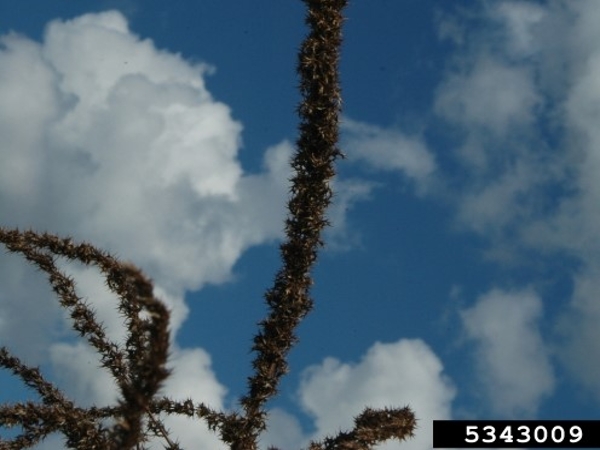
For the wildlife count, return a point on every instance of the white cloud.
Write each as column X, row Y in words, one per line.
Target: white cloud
column 115, row 142
column 524, row 94
column 579, row 349
column 492, row 98
column 25, row 294
column 496, row 204
column 406, row 372
column 530, row 65
column 512, row 359
column 28, row 101
column 192, row 367
column 134, row 150
column 283, row 431
column 521, row 21
column 388, row 149
column 491, row 94
column 568, row 65
column 191, row 378
column 78, row 370
column 340, row 235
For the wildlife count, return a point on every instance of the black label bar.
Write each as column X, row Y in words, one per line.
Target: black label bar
column 516, row 433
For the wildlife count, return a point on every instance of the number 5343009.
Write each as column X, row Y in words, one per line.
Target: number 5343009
column 523, row 434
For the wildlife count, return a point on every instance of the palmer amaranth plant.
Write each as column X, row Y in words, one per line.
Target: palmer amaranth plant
column 139, row 367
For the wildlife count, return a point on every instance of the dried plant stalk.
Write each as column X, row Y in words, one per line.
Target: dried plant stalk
column 139, row 368
column 289, row 300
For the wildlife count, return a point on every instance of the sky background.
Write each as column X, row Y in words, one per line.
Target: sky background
column 462, row 269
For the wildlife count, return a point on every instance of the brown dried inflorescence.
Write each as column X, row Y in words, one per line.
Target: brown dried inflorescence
column 139, row 368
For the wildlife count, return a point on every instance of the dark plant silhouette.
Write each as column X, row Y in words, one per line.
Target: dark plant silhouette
column 138, row 367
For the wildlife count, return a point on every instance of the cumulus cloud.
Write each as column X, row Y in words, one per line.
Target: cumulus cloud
column 124, row 140
column 492, row 98
column 574, row 228
column 406, row 372
column 524, row 99
column 110, row 140
column 531, row 155
column 512, row 359
column 113, row 141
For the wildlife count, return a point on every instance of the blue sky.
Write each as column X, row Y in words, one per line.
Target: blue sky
column 460, row 275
